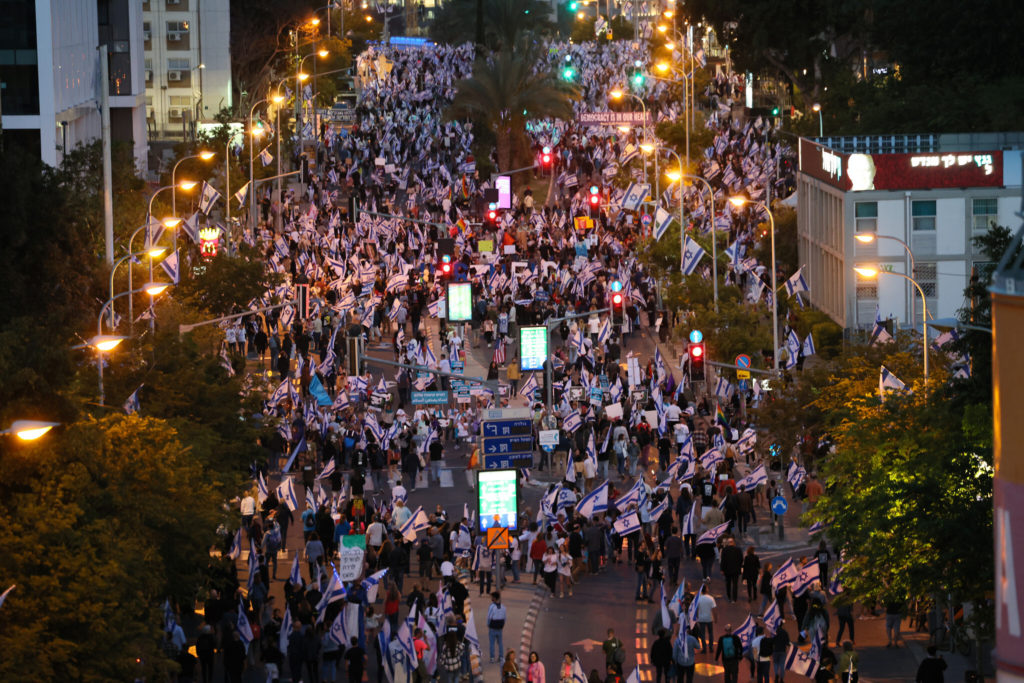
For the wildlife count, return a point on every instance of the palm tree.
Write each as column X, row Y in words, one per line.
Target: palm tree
column 504, row 92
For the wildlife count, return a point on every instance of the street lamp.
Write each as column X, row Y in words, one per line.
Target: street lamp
column 821, row 126
column 617, row 94
column 648, row 148
column 870, row 237
column 872, row 272
column 153, row 252
column 253, row 134
column 738, row 202
column 29, row 430
column 204, row 156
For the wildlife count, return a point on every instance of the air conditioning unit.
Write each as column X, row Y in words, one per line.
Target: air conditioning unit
column 173, row 2
column 174, row 113
column 174, row 36
column 147, row 36
column 174, row 75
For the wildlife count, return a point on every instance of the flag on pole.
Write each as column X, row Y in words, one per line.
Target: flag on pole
column 772, row 617
column 808, row 346
column 888, row 382
column 207, row 197
column 286, row 630
column 879, row 334
column 244, row 629
column 131, row 404
column 236, row 546
column 800, row 662
column 796, row 283
column 418, row 522
column 266, row 157
column 692, row 254
column 785, row 575
column 170, row 266
column 242, row 194
column 627, row 524
column 662, row 219
column 594, row 502
column 295, row 577
column 712, row 534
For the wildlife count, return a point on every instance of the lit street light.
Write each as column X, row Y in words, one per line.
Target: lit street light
column 29, row 430
column 870, row 237
column 821, row 126
column 871, row 272
column 204, row 156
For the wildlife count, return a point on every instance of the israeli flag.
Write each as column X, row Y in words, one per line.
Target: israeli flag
column 758, row 476
column 286, row 630
column 746, row 632
column 692, row 254
column 795, row 475
column 682, row 468
column 627, row 524
column 418, row 522
column 300, row 447
column 594, row 502
column 711, row 459
column 800, row 662
column 371, row 583
column 335, row 591
column 605, row 331
column 242, row 194
column 338, row 632
column 635, row 194
column 772, row 617
column 244, row 629
column 796, row 283
column 328, row 470
column 808, row 345
column 723, row 389
column 266, row 157
column 236, row 546
column 207, row 198
column 191, row 227
column 712, row 534
column 817, row 527
column 888, row 382
column 340, row 401
column 808, row 575
column 656, row 512
column 131, row 404
column 254, row 563
column 572, row 422
column 261, row 488
column 747, row 440
column 785, row 575
column 734, row 252
column 636, row 495
column 170, row 266
column 295, row 577
column 286, row 494
column 662, row 219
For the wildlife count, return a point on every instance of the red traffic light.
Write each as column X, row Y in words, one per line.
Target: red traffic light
column 446, row 268
column 696, row 350
column 545, row 159
column 492, row 215
column 617, row 299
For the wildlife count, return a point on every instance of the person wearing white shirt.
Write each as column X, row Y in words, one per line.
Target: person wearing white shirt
column 673, row 412
column 681, row 431
column 248, row 510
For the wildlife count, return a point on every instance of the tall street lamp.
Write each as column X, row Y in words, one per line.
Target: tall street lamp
column 252, row 135
column 872, row 272
column 152, row 251
column 870, row 237
column 617, row 94
column 738, row 202
column 821, row 125
column 647, row 149
column 204, row 155
column 172, row 222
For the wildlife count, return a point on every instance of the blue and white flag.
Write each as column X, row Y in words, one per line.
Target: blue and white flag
column 888, row 382
column 244, row 629
column 808, row 576
column 295, row 577
column 300, row 447
column 334, row 591
column 692, row 254
column 207, row 197
column 572, row 422
column 529, row 387
column 747, row 440
column 594, row 502
column 636, row 495
column 266, row 157
column 418, row 522
column 772, row 617
column 692, row 614
column 712, row 534
column 286, row 630
column 662, row 219
column 371, row 583
column 746, row 632
column 236, row 546
column 286, row 494
column 757, row 476
column 131, row 404
column 796, row 283
column 635, row 194
column 800, row 662
column 190, row 226
column 170, row 266
column 328, row 470
column 785, row 575
column 808, row 345
column 656, row 512
column 254, row 563
column 879, row 334
column 283, row 391
column 242, row 194
column 711, row 459
column 339, row 633
column 627, row 524
column 817, row 527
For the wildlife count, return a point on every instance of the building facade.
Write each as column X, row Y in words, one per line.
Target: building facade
column 860, row 200
column 187, row 63
column 49, row 74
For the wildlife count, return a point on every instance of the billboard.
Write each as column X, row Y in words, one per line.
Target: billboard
column 460, row 302
column 497, row 499
column 533, row 347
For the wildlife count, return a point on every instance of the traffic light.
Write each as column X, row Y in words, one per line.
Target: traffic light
column 568, row 73
column 492, row 213
column 545, row 158
column 696, row 353
column 775, row 111
column 617, row 302
column 638, row 79
column 445, row 267
column 573, row 5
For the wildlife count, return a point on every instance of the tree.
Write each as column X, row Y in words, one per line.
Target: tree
column 101, row 522
column 503, row 93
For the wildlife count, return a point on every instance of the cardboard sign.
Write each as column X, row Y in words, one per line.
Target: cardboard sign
column 350, row 563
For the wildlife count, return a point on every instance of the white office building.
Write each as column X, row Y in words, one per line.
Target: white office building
column 932, row 193
column 188, row 63
column 49, row 72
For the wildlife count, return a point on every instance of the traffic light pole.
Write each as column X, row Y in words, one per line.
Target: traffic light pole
column 549, row 324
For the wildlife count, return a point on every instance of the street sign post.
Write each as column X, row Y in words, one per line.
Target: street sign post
column 779, row 505
column 497, row 538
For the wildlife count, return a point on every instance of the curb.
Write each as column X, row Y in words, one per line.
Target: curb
column 526, row 639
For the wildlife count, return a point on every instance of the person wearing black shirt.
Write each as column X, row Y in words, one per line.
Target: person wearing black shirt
column 356, row 660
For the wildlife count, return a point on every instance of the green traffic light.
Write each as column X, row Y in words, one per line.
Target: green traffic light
column 775, row 111
column 638, row 79
column 573, row 6
column 568, row 73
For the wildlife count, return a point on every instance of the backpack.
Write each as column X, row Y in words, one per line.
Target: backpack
column 452, row 661
column 619, row 656
column 274, row 539
column 728, row 648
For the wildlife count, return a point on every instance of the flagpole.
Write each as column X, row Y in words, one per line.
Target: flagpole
column 227, row 182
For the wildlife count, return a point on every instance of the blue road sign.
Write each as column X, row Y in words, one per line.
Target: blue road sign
column 507, row 462
column 521, row 427
column 500, row 445
column 743, row 360
column 779, row 505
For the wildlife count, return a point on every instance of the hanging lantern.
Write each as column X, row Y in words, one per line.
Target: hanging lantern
column 209, row 240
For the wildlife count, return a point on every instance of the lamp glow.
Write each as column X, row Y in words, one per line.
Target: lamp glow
column 105, row 342
column 865, row 237
column 866, row 271
column 172, row 221
column 616, row 94
column 155, row 288
column 206, row 156
column 187, row 185
column 29, row 430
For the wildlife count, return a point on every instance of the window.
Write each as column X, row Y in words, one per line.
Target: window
column 180, row 100
column 178, row 64
column 866, row 216
column 923, row 213
column 986, row 212
column 149, row 64
column 149, row 103
column 926, row 275
column 177, row 26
